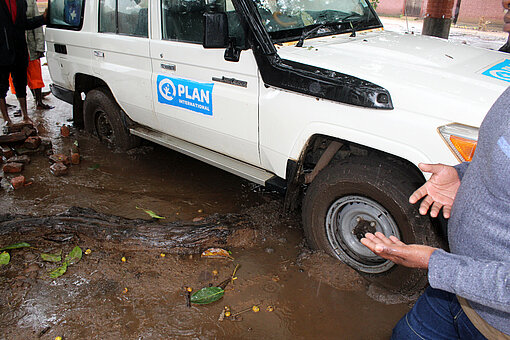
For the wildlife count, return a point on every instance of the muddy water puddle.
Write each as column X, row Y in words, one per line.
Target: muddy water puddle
column 101, row 297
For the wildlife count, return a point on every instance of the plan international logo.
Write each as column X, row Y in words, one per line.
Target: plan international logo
column 500, row 71
column 187, row 94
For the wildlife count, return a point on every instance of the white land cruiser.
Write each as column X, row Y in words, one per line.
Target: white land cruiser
column 310, row 96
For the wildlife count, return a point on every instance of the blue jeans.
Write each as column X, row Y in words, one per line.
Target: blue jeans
column 436, row 315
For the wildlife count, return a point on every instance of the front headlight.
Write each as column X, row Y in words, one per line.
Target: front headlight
column 461, row 139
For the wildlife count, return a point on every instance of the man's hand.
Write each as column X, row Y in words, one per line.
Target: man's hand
column 413, row 255
column 439, row 191
column 45, row 15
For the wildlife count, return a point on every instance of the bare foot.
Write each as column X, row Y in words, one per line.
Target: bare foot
column 27, row 120
column 42, row 106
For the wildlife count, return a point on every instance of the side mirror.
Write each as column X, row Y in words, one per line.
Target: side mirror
column 215, row 30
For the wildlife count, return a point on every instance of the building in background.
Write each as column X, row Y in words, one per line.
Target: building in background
column 475, row 12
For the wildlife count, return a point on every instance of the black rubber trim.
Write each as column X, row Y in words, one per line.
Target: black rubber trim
column 277, row 184
column 62, row 93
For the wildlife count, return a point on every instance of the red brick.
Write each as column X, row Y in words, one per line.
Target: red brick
column 18, row 182
column 59, row 158
column 6, row 151
column 13, row 167
column 19, row 159
column 58, row 169
column 32, row 143
column 75, row 158
column 64, row 131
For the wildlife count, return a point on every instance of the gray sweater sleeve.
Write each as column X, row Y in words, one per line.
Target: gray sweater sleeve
column 484, row 282
column 461, row 169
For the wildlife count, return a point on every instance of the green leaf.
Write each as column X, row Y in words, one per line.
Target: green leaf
column 74, row 256
column 151, row 213
column 207, row 295
column 16, row 246
column 52, row 257
column 76, row 143
column 4, row 258
column 58, row 271
column 94, row 167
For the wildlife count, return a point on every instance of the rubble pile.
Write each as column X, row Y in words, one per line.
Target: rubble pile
column 21, row 141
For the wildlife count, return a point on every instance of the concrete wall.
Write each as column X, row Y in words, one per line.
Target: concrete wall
column 471, row 11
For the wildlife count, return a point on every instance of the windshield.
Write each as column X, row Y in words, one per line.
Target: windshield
column 288, row 19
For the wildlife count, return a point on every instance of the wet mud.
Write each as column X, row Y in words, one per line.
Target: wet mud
column 301, row 294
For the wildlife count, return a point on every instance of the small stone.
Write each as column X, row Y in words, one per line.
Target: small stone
column 31, row 268
column 18, row 182
column 30, row 257
column 46, row 143
column 13, row 167
column 59, row 158
column 19, row 159
column 269, row 250
column 75, row 158
column 32, row 142
column 58, row 169
column 198, row 219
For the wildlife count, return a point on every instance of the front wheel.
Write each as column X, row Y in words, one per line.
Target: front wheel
column 348, row 199
column 103, row 118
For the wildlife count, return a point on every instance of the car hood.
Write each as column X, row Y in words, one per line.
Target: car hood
column 425, row 75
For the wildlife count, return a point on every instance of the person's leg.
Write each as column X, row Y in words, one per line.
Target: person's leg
column 4, row 86
column 434, row 316
column 19, row 78
column 36, row 83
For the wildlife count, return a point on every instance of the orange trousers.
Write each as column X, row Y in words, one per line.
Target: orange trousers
column 34, row 76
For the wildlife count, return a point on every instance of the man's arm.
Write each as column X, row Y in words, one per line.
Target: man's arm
column 484, row 282
column 37, row 21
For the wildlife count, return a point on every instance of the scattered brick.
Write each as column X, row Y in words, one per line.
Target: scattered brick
column 64, row 131
column 75, row 158
column 58, row 169
column 19, row 159
column 32, row 143
column 59, row 158
column 12, row 138
column 18, row 127
column 6, row 151
column 13, row 167
column 18, row 182
column 29, row 131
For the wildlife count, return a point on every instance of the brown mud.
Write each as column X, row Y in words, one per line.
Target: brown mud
column 101, row 297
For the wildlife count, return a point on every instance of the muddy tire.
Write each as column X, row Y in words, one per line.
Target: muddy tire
column 103, row 118
column 360, row 195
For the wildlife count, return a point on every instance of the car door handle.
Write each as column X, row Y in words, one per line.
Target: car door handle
column 169, row 67
column 99, row 54
column 231, row 81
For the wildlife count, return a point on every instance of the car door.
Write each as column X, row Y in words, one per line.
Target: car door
column 120, row 56
column 198, row 95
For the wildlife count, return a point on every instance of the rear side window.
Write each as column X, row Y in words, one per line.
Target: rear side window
column 126, row 17
column 66, row 13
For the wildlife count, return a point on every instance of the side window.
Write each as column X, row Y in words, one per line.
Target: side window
column 126, row 17
column 183, row 19
column 66, row 13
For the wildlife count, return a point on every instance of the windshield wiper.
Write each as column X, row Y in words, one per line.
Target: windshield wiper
column 307, row 34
